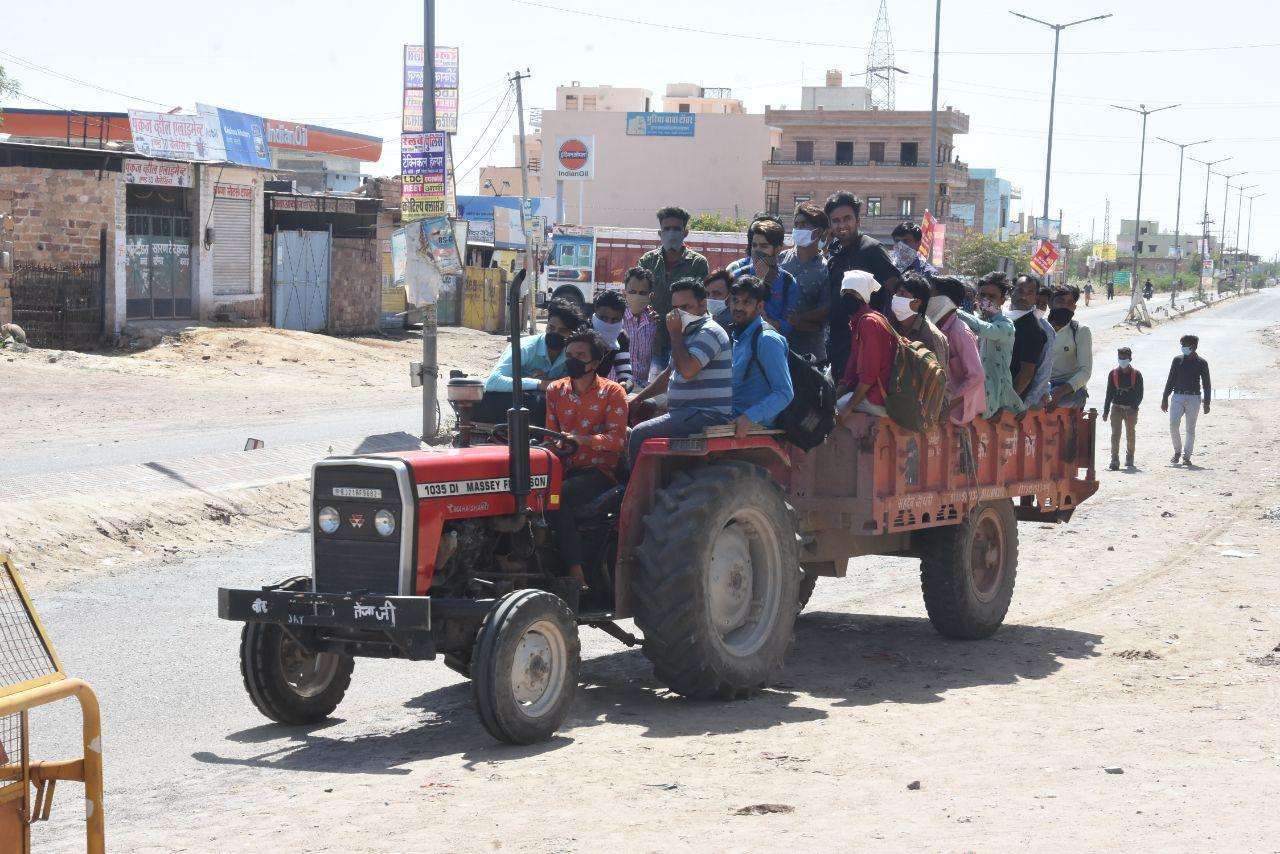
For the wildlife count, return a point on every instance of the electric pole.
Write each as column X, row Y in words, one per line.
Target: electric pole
column 1208, row 171
column 430, row 370
column 1177, row 216
column 1239, row 210
column 1226, row 200
column 1053, row 88
column 1249, row 240
column 1137, row 222
column 530, row 265
column 933, row 116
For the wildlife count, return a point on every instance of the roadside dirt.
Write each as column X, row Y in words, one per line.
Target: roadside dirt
column 220, row 376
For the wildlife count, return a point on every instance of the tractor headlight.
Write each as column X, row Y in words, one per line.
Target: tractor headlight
column 329, row 519
column 385, row 522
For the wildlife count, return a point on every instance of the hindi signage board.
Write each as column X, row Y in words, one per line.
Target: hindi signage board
column 157, row 173
column 446, row 89
column 422, row 169
column 176, row 136
column 660, row 124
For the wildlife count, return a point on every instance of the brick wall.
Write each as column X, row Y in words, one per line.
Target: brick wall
column 355, row 285
column 59, row 215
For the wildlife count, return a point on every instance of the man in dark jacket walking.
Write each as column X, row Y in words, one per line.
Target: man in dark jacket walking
column 1188, row 384
column 1124, row 396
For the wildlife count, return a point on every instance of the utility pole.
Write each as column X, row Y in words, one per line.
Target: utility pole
column 1239, row 210
column 933, row 116
column 1226, row 200
column 1053, row 88
column 1177, row 216
column 1249, row 240
column 530, row 265
column 1208, row 171
column 430, row 370
column 1137, row 221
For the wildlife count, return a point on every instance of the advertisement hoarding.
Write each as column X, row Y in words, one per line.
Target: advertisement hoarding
column 244, row 137
column 575, row 158
column 422, row 169
column 660, row 124
column 157, row 173
column 179, row 137
column 446, row 89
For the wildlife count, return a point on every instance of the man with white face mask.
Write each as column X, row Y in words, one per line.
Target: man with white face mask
column 907, row 238
column 966, row 383
column 909, row 319
column 805, row 263
column 699, row 381
column 607, row 320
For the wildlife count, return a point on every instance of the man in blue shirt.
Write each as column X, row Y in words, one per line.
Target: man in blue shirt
column 761, row 379
column 542, row 361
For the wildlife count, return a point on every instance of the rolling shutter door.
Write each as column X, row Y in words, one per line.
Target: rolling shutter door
column 232, row 221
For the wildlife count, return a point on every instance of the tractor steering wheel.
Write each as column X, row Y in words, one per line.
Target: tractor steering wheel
column 561, row 444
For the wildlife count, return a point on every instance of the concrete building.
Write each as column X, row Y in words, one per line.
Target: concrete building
column 505, row 180
column 986, row 204
column 1158, row 244
column 692, row 98
column 879, row 155
column 835, row 95
column 712, row 166
column 606, row 99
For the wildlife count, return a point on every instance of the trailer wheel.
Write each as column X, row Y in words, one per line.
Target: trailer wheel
column 967, row 571
column 285, row 682
column 717, row 582
column 524, row 668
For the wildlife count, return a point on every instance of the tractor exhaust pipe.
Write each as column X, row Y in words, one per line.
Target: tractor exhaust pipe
column 517, row 415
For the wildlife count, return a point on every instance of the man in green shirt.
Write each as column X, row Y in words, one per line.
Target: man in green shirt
column 670, row 263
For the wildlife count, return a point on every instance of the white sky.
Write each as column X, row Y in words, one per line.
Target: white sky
column 322, row 62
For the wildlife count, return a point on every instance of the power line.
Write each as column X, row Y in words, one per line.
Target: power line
column 480, row 138
column 46, row 70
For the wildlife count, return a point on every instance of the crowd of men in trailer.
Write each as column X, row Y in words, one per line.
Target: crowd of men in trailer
column 684, row 348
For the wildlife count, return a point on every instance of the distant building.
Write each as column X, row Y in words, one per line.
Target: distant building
column 986, row 204
column 1158, row 244
column 835, row 95
column 707, row 161
column 879, row 155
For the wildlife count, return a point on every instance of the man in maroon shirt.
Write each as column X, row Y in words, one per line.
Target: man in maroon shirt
column 874, row 346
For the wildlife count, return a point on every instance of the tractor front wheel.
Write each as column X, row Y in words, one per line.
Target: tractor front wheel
column 718, row 582
column 524, row 666
column 287, row 683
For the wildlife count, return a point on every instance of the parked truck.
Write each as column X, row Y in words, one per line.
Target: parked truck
column 712, row 545
column 584, row 259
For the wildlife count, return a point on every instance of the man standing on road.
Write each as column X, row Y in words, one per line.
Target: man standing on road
column 1072, row 351
column 669, row 263
column 593, row 410
column 853, row 250
column 807, row 266
column 1111, row 290
column 761, row 380
column 1186, row 390
column 1032, row 357
column 1124, row 396
column 699, row 381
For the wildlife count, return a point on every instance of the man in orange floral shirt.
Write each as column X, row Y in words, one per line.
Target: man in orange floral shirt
column 593, row 410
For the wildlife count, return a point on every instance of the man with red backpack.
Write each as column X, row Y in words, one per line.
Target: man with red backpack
column 1124, row 396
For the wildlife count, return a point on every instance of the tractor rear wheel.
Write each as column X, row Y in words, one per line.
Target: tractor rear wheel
column 288, row 684
column 524, row 667
column 717, row 584
column 967, row 571
column 808, row 581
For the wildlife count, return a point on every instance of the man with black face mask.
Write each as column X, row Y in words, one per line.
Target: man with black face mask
column 593, row 411
column 1072, row 351
column 542, row 358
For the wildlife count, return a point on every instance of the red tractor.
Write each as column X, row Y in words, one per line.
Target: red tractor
column 713, row 545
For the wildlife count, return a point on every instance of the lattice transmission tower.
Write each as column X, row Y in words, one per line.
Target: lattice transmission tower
column 881, row 69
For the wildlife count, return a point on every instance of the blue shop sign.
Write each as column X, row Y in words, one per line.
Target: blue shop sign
column 660, row 124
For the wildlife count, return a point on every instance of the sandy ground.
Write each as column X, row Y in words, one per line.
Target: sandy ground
column 1130, row 701
column 216, row 376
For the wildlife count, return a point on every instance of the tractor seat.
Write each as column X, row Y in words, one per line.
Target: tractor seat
column 607, row 502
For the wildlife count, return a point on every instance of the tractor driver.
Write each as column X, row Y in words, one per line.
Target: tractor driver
column 593, row 411
column 542, row 361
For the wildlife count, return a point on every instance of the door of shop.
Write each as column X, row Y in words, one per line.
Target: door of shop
column 301, row 296
column 158, row 256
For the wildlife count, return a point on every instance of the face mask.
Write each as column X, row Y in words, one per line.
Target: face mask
column 686, row 318
column 1058, row 317
column 715, row 306
column 1124, row 363
column 575, row 368
column 902, row 308
column 608, row 331
column 1016, row 313
column 802, row 236
column 986, row 306
column 903, row 255
column 760, row 256
column 672, row 238
column 938, row 307
column 554, row 341
column 637, row 303
column 1187, row 351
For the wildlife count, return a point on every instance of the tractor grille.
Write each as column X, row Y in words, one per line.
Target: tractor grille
column 356, row 557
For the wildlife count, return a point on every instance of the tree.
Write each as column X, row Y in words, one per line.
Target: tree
column 716, row 222
column 976, row 254
column 8, row 86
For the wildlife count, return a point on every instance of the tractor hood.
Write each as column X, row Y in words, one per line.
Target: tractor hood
column 483, row 470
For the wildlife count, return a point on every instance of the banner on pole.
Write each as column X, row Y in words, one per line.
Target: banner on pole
column 422, row 171
column 446, row 88
column 1045, row 256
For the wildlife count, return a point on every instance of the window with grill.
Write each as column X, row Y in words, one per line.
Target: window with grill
column 804, row 151
column 771, row 192
column 906, row 206
column 571, row 102
column 844, row 152
column 909, row 154
column 873, row 206
column 684, row 108
column 588, row 102
column 877, row 152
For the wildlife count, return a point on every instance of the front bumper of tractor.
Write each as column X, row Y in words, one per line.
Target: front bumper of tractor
column 360, row 624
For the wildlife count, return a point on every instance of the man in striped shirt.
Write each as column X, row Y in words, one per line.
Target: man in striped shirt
column 699, row 380
column 640, row 322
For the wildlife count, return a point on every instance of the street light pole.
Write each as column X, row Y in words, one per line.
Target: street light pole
column 430, row 370
column 1177, row 216
column 1137, row 220
column 1226, row 200
column 1053, row 88
column 1240, row 210
column 1248, row 242
column 933, row 116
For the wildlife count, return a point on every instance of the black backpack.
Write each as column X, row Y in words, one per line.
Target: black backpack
column 811, row 415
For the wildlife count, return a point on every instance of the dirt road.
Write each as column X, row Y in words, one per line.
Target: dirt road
column 1129, row 701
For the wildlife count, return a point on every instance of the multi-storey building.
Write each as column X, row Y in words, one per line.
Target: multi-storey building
column 1158, row 244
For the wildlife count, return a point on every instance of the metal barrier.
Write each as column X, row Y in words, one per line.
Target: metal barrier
column 59, row 306
column 30, row 676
